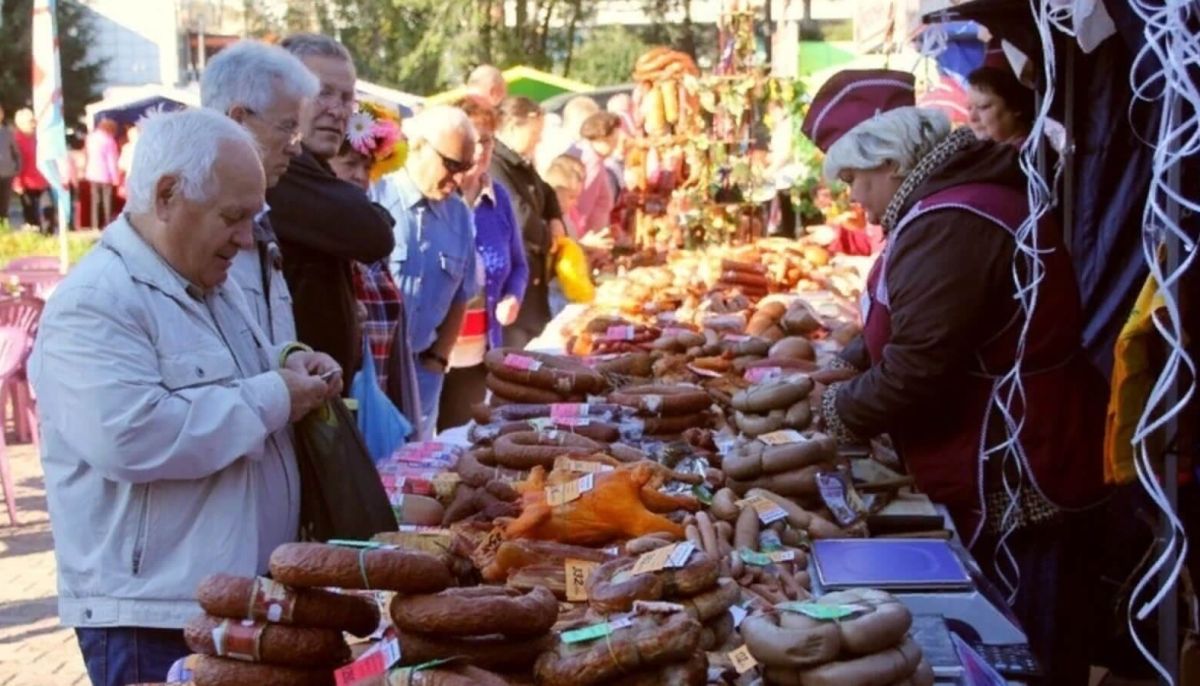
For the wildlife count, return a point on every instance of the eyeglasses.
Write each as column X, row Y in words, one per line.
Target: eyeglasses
column 331, row 97
column 452, row 165
column 291, row 129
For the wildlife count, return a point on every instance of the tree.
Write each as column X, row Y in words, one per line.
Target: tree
column 81, row 76
column 606, row 57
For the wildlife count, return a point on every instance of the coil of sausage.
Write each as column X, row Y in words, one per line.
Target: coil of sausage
column 477, row 611
column 239, row 597
column 320, row 565
column 495, row 653
column 652, row 641
column 528, row 449
column 217, row 671
column 558, row 373
column 273, row 644
column 662, row 400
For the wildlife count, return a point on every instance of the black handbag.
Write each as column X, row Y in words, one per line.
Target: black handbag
column 341, row 494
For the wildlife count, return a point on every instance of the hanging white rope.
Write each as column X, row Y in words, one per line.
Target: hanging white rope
column 1028, row 270
column 1170, row 51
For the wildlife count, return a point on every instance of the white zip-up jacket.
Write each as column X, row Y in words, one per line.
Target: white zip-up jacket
column 165, row 439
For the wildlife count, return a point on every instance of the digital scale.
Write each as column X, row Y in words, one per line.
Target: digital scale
column 942, row 587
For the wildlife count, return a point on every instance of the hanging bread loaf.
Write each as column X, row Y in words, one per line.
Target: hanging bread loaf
column 237, row 597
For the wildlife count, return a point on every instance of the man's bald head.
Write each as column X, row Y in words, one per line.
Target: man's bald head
column 487, row 81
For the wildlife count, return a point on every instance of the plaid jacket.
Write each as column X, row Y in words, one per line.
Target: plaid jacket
column 375, row 289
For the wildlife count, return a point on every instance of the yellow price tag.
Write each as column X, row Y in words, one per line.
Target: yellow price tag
column 578, row 572
column 572, row 490
column 742, row 660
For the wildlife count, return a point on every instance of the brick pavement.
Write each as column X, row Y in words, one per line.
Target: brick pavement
column 34, row 649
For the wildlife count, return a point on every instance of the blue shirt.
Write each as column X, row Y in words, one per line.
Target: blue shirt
column 499, row 243
column 434, row 259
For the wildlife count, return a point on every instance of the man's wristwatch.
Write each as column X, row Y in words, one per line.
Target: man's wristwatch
column 430, row 355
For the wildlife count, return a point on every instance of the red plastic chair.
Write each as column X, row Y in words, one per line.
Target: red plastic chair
column 14, row 349
column 23, row 312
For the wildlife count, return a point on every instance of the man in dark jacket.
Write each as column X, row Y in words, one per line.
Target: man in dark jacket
column 323, row 223
column 535, row 206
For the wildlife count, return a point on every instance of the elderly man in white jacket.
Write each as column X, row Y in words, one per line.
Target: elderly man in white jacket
column 164, row 406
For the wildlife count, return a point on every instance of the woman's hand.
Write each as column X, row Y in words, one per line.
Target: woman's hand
column 319, row 365
column 598, row 240
column 507, row 310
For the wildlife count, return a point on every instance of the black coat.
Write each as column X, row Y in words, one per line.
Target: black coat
column 535, row 205
column 324, row 224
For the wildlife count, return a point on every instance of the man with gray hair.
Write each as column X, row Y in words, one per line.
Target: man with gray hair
column 164, row 407
column 434, row 259
column 325, row 224
column 262, row 87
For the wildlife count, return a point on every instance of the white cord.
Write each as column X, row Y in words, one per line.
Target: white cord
column 1170, row 51
column 1028, row 270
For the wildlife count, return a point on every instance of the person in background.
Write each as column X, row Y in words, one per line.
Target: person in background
column 566, row 175
column 101, row 172
column 434, row 259
column 1001, row 107
column 621, row 105
column 504, row 274
column 10, row 165
column 325, row 224
column 30, row 185
column 164, row 410
column 565, row 139
column 592, row 215
column 125, row 161
column 263, row 88
column 374, row 147
column 486, row 81
column 535, row 206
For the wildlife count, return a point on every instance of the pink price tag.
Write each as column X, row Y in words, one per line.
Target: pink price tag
column 564, row 411
column 619, row 333
column 522, row 362
column 760, row 374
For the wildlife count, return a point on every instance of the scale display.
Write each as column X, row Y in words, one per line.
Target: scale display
column 889, row 564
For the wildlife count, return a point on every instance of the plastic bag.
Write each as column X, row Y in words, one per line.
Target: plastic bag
column 573, row 271
column 383, row 427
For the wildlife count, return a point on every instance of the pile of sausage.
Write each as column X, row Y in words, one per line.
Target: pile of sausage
column 849, row 637
column 519, row 376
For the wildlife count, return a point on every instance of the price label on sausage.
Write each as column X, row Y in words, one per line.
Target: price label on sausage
column 761, row 374
column 522, row 362
column 667, row 556
column 572, row 490
column 591, row 633
column 272, row 601
column 372, row 663
column 742, row 660
column 620, row 333
column 561, row 412
column 735, row 337
column 444, row 484
column 239, row 640
column 822, row 611
column 567, row 464
column 783, row 437
column 768, row 510
column 577, row 572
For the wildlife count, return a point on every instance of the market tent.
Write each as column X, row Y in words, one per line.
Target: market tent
column 126, row 105
column 532, row 83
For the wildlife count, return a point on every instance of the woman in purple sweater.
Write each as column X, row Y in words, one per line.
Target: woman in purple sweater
column 503, row 268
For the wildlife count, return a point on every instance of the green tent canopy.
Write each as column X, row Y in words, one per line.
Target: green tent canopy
column 532, row 83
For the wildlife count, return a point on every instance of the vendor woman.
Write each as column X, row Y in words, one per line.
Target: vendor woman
column 940, row 327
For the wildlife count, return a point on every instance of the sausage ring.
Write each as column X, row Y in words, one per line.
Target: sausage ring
column 512, row 392
column 487, row 652
column 557, row 373
column 653, row 641
column 216, row 671
column 611, row 589
column 708, row 605
column 477, row 611
column 669, row 401
column 776, row 395
column 790, row 639
column 321, row 565
column 528, row 449
column 273, row 644
column 238, row 597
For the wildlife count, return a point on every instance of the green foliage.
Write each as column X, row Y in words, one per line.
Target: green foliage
column 606, row 56
column 14, row 244
column 75, row 33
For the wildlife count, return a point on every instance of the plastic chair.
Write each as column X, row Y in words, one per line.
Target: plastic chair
column 23, row 312
column 14, row 349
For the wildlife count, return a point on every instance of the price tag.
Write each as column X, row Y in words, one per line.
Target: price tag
column 656, row 607
column 372, row 663
column 782, row 556
column 572, row 490
column 620, row 333
column 761, row 374
column 570, row 465
column 424, row 530
column 591, row 633
column 272, row 601
column 702, row 494
column 444, row 484
column 823, row 612
column 768, row 510
column 577, row 572
column 736, row 337
column 757, row 559
column 742, row 660
column 522, row 362
column 675, row 331
column 667, row 556
column 783, row 437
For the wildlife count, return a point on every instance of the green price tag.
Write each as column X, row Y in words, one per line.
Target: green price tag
column 702, row 494
column 587, row 633
column 752, row 558
column 819, row 611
